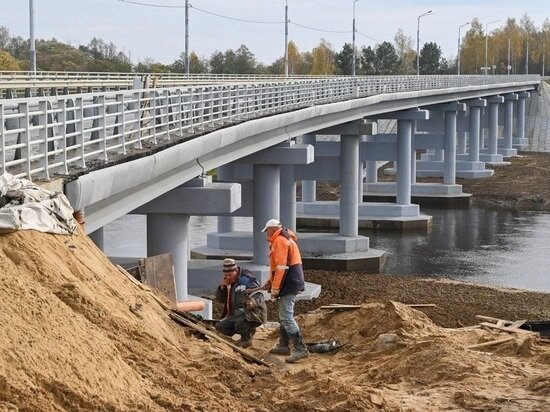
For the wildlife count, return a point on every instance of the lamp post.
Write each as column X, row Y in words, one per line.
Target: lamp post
column 186, row 57
column 32, row 49
column 418, row 42
column 353, row 41
column 486, row 68
column 458, row 54
column 286, row 38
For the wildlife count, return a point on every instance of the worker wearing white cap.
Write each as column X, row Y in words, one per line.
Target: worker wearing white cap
column 286, row 281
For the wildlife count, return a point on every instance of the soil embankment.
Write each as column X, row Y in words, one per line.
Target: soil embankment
column 77, row 335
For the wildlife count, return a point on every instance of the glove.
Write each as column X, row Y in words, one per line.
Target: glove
column 274, row 293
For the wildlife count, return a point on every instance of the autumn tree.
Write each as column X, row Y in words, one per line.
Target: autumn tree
column 323, row 59
column 405, row 52
column 7, row 62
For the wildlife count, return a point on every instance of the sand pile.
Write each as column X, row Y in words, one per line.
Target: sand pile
column 77, row 335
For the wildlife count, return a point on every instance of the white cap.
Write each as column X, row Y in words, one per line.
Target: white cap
column 271, row 223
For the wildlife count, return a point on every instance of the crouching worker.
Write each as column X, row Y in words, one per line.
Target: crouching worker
column 244, row 308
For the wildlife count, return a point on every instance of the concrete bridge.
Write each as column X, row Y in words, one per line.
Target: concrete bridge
column 147, row 150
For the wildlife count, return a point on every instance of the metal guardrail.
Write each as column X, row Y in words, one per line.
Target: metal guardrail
column 59, row 135
column 20, row 83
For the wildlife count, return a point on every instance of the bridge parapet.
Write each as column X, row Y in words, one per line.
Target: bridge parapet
column 72, row 134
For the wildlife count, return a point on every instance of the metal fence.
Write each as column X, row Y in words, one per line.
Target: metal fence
column 58, row 135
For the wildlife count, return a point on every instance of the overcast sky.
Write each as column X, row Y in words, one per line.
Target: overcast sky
column 158, row 33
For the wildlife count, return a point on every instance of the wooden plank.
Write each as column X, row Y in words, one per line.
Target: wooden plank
column 146, row 288
column 125, row 273
column 206, row 332
column 422, row 305
column 340, row 307
column 491, row 343
column 506, row 328
column 493, row 320
column 158, row 272
column 518, row 323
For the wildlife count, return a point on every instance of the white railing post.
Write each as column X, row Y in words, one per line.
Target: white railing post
column 79, row 126
column 167, row 114
column 121, row 117
column 62, row 118
column 103, row 126
column 179, row 98
column 26, row 138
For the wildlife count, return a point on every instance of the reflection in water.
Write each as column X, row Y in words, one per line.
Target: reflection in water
column 483, row 246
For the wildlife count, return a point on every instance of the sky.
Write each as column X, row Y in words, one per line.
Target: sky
column 159, row 32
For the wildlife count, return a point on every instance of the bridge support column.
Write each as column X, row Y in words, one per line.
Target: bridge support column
column 404, row 146
column 98, row 238
column 266, row 206
column 349, row 190
column 475, row 115
column 449, row 173
column 413, row 154
column 225, row 223
column 520, row 142
column 491, row 154
column 308, row 186
column 508, row 150
column 372, row 171
column 168, row 233
column 288, row 197
column 462, row 129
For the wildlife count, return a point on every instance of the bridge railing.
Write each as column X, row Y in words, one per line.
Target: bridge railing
column 61, row 135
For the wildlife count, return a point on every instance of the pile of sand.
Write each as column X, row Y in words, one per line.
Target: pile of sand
column 78, row 335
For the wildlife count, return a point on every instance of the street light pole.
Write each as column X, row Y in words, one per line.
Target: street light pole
column 32, row 49
column 543, row 57
column 286, row 38
column 486, row 68
column 186, row 57
column 353, row 41
column 418, row 42
column 458, row 54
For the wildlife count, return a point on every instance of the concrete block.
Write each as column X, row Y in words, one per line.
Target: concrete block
column 291, row 155
column 212, row 199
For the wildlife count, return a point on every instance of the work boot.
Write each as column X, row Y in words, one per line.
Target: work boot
column 300, row 349
column 281, row 348
column 246, row 332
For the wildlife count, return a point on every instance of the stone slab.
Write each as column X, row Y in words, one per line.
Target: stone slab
column 420, row 222
column 379, row 210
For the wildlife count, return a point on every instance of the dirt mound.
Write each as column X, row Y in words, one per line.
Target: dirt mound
column 77, row 335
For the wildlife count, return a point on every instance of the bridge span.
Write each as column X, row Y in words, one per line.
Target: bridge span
column 146, row 151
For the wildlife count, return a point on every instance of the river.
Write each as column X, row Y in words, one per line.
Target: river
column 501, row 248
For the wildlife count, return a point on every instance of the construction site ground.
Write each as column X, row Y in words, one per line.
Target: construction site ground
column 78, row 335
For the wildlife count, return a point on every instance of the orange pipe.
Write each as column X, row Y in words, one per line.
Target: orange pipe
column 80, row 218
column 191, row 306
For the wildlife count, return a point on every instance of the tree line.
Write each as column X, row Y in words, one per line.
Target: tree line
column 528, row 46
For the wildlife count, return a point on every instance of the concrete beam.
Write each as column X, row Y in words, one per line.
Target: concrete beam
column 213, row 199
column 495, row 99
column 477, row 103
column 351, row 129
column 295, row 154
column 413, row 114
column 511, row 96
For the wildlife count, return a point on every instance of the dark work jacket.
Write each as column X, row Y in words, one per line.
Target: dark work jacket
column 237, row 298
